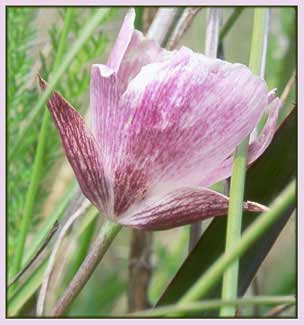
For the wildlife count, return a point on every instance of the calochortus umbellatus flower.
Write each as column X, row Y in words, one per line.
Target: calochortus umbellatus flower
column 165, row 125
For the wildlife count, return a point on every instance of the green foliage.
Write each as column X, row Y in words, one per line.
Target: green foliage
column 20, row 96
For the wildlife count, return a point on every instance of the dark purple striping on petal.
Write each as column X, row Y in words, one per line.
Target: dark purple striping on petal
column 181, row 207
column 183, row 116
column 129, row 186
column 81, row 149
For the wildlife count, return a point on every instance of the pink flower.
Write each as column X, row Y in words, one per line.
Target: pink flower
column 165, row 126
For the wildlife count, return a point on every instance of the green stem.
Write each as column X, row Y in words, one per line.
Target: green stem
column 234, row 224
column 38, row 161
column 235, row 210
column 195, row 307
column 284, row 201
column 108, row 232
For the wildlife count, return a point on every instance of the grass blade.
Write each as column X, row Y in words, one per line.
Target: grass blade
column 194, row 307
column 38, row 161
column 235, row 210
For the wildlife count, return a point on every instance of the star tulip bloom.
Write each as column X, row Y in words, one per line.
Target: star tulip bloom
column 165, row 125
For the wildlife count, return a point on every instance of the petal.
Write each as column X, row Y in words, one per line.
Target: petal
column 178, row 208
column 132, row 51
column 182, row 116
column 140, row 52
column 108, row 82
column 122, row 41
column 255, row 150
column 104, row 97
column 80, row 148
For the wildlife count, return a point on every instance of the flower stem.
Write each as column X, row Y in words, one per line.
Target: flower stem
column 107, row 233
column 235, row 210
column 280, row 205
column 140, row 269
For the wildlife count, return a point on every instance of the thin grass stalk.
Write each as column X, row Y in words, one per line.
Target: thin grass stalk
column 195, row 307
column 211, row 277
column 38, row 161
column 235, row 210
column 214, row 16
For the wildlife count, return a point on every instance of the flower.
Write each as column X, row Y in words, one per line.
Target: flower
column 165, row 125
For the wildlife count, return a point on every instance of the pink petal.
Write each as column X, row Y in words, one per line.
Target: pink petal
column 181, row 117
column 108, row 82
column 80, row 148
column 132, row 51
column 178, row 208
column 122, row 41
column 104, row 98
column 255, row 150
column 141, row 51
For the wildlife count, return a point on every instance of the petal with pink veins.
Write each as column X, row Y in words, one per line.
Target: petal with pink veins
column 108, row 82
column 122, row 41
column 255, row 149
column 104, row 98
column 178, row 208
column 80, row 148
column 180, row 117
